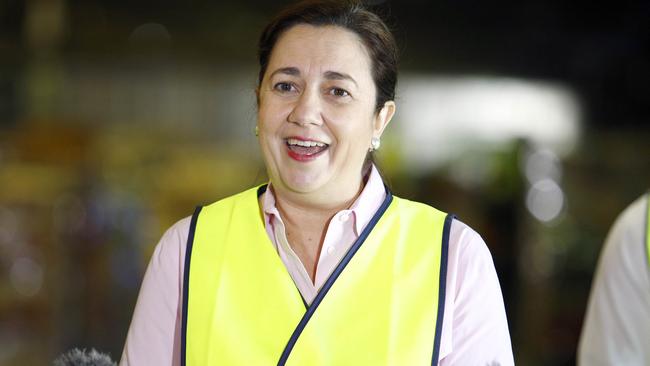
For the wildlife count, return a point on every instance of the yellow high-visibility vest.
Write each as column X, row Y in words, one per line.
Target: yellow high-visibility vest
column 382, row 305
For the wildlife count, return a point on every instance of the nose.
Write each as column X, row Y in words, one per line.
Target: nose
column 307, row 109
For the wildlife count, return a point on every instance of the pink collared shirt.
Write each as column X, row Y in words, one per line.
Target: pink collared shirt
column 344, row 228
column 474, row 330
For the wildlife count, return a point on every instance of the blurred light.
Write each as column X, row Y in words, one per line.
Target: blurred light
column 440, row 117
column 545, row 200
column 541, row 164
column 26, row 276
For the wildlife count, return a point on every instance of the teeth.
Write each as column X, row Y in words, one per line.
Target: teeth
column 305, row 143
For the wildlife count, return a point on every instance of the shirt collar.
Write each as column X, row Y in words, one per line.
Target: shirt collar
column 368, row 202
column 363, row 208
column 268, row 202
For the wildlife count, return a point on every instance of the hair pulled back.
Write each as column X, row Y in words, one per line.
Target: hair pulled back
column 351, row 15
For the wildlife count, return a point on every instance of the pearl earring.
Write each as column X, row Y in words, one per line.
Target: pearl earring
column 375, row 143
column 257, row 131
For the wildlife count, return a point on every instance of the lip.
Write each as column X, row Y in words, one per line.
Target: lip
column 303, row 157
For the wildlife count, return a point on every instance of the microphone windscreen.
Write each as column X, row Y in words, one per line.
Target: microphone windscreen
column 77, row 357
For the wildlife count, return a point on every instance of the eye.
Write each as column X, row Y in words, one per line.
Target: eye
column 283, row 87
column 338, row 92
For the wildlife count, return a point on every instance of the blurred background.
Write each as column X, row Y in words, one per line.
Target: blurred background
column 528, row 119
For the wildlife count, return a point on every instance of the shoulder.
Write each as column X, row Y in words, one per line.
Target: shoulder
column 171, row 248
column 635, row 213
column 466, row 238
column 469, row 255
column 412, row 209
column 469, row 259
column 470, row 264
column 624, row 249
column 465, row 244
column 237, row 198
column 405, row 202
column 178, row 230
column 475, row 327
column 624, row 256
column 629, row 229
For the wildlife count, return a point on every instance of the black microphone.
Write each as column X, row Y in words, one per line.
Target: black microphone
column 77, row 357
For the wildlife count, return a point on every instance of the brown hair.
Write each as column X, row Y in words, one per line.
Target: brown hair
column 352, row 16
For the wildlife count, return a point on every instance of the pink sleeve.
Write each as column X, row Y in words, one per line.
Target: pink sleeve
column 475, row 328
column 154, row 334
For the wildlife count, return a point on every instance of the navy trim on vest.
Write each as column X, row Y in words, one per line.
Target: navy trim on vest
column 442, row 288
column 261, row 190
column 186, row 283
column 332, row 278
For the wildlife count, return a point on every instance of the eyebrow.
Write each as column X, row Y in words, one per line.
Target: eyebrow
column 330, row 75
column 333, row 75
column 293, row 71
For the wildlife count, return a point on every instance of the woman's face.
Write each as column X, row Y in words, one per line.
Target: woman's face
column 317, row 111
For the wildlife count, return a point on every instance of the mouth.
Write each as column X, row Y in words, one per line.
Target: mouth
column 304, row 149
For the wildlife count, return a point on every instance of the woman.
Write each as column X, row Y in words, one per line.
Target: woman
column 322, row 266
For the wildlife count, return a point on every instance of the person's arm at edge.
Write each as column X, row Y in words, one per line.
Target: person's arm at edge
column 153, row 336
column 616, row 329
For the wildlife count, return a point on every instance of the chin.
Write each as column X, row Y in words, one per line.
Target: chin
column 303, row 182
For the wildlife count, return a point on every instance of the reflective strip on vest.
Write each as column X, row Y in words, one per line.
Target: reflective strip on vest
column 382, row 305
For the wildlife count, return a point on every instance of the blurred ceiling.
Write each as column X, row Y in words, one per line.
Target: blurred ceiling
column 602, row 50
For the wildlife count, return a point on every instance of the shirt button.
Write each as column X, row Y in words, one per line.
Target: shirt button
column 344, row 216
column 330, row 250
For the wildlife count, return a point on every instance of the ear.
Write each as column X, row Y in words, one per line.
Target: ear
column 383, row 118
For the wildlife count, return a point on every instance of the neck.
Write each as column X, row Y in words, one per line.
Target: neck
column 309, row 207
column 327, row 200
column 306, row 224
column 306, row 217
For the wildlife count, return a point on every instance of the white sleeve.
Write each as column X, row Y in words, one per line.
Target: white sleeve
column 616, row 330
column 154, row 334
column 475, row 328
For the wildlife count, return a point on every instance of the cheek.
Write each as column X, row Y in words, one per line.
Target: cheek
column 354, row 127
column 271, row 113
column 353, row 140
column 262, row 111
column 267, row 118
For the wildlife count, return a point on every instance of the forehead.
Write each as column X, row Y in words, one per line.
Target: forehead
column 321, row 48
